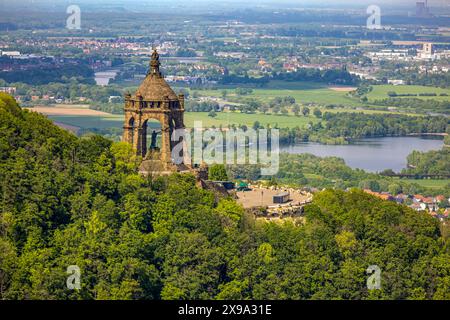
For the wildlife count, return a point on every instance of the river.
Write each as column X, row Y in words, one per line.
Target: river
column 374, row 154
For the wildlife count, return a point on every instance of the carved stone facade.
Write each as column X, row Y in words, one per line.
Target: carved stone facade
column 154, row 99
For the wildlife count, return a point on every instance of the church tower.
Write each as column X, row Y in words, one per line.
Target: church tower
column 154, row 99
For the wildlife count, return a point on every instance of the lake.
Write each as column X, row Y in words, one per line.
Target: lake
column 374, row 154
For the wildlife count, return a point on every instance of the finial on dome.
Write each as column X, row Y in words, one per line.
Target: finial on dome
column 154, row 63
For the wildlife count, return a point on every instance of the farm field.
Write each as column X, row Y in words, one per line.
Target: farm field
column 303, row 92
column 226, row 118
column 381, row 92
column 223, row 118
column 68, row 110
column 321, row 96
column 86, row 121
column 429, row 183
column 308, row 92
column 68, row 127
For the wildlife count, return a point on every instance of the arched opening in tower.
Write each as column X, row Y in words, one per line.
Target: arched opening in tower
column 152, row 138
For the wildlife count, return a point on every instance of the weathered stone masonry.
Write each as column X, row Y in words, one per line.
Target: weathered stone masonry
column 154, row 99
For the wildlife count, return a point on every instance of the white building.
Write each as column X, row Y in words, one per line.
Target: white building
column 397, row 54
column 396, row 82
column 10, row 53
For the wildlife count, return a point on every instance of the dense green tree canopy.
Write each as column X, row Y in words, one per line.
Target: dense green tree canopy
column 79, row 201
column 217, row 172
column 432, row 162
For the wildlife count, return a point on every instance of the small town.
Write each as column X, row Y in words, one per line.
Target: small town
column 437, row 206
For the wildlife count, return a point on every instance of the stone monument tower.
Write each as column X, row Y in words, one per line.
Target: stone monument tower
column 154, row 99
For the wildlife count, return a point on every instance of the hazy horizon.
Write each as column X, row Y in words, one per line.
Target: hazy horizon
column 237, row 3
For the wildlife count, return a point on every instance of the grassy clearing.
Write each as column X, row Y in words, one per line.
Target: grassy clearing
column 67, row 111
column 316, row 93
column 429, row 183
column 98, row 122
column 381, row 92
column 323, row 96
column 313, row 176
column 223, row 118
column 303, row 92
column 226, row 118
column 308, row 94
column 366, row 111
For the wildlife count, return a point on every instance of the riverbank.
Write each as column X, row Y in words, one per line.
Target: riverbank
column 437, row 134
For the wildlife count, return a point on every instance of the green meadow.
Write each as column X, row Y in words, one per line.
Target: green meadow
column 303, row 92
column 222, row 119
column 229, row 118
column 429, row 183
column 322, row 95
column 381, row 92
column 98, row 122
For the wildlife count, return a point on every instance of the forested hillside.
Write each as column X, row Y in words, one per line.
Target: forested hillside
column 79, row 201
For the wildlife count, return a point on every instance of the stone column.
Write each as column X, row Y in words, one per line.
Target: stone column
column 138, row 140
column 181, row 100
column 128, row 127
column 144, row 140
column 166, row 152
column 127, row 134
column 179, row 124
